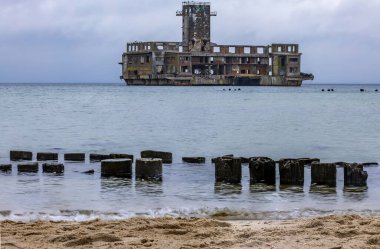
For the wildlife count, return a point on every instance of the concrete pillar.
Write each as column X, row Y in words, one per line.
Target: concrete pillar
column 20, row 155
column 28, row 167
column 228, row 170
column 47, row 156
column 117, row 168
column 323, row 174
column 167, row 157
column 75, row 157
column 262, row 170
column 195, row 160
column 355, row 176
column 121, row 156
column 149, row 169
column 57, row 168
column 292, row 173
column 98, row 157
column 5, row 167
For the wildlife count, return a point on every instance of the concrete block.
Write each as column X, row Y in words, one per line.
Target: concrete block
column 75, row 157
column 57, row 168
column 5, row 167
column 228, row 170
column 262, row 170
column 355, row 176
column 292, row 173
column 117, row 168
column 28, row 167
column 20, row 155
column 195, row 160
column 47, row 156
column 323, row 174
column 167, row 157
column 149, row 169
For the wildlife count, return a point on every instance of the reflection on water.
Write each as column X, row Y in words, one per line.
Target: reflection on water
column 149, row 188
column 323, row 190
column 253, row 188
column 114, row 183
column 226, row 189
column 291, row 189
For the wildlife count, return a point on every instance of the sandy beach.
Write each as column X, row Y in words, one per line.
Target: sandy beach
column 323, row 232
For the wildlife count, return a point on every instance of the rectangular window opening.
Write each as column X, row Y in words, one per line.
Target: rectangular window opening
column 232, row 50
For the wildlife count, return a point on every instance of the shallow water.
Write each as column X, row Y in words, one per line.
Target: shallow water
column 188, row 121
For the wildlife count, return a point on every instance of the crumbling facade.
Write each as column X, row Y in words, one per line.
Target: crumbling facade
column 198, row 61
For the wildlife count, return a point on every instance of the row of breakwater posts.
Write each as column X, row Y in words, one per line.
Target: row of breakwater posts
column 228, row 169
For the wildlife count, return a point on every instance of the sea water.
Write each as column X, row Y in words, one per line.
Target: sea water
column 277, row 122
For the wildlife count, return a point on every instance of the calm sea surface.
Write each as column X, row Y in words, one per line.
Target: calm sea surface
column 343, row 125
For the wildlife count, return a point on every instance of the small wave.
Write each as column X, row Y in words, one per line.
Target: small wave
column 216, row 213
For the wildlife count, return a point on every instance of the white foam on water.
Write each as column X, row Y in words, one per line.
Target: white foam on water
column 217, row 213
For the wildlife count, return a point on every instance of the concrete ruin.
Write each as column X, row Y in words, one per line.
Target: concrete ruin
column 198, row 61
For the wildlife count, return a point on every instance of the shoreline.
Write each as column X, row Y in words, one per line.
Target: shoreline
column 336, row 231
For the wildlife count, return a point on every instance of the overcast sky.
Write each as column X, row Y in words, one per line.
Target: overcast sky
column 82, row 40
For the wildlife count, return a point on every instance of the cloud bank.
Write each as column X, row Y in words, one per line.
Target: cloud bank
column 82, row 41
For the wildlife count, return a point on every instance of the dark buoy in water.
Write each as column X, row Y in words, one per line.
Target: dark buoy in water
column 229, row 89
column 332, row 90
column 224, row 89
column 376, row 90
column 329, row 90
column 239, row 89
column 323, row 90
column 362, row 90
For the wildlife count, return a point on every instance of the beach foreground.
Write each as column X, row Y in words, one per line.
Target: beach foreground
column 324, row 232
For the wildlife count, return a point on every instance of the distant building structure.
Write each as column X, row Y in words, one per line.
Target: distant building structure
column 198, row 61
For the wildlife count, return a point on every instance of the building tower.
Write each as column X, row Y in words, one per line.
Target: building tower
column 196, row 29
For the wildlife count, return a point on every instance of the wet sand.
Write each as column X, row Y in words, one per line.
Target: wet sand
column 325, row 232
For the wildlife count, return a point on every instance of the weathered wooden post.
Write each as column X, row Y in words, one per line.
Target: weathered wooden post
column 194, row 160
column 117, row 168
column 262, row 170
column 149, row 169
column 75, row 157
column 355, row 176
column 292, row 173
column 47, row 156
column 57, row 168
column 5, row 168
column 28, row 167
column 228, row 170
column 167, row 157
column 20, row 155
column 323, row 174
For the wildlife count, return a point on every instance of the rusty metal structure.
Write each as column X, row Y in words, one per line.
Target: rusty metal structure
column 198, row 61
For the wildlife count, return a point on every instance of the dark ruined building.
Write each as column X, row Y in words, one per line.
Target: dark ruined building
column 198, row 61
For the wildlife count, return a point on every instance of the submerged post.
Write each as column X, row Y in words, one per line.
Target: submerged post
column 20, row 155
column 116, row 168
column 291, row 173
column 262, row 170
column 355, row 176
column 28, row 167
column 149, row 169
column 228, row 170
column 323, row 174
